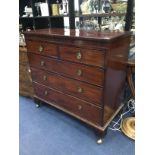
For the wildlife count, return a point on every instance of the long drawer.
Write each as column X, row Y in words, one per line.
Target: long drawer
column 76, row 88
column 93, row 75
column 69, row 103
column 42, row 48
column 86, row 56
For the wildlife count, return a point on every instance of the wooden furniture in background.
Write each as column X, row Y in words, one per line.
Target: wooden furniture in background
column 51, row 21
column 80, row 72
column 25, row 81
column 130, row 72
column 48, row 21
column 128, row 123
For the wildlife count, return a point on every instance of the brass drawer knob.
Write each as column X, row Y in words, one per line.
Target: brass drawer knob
column 79, row 107
column 42, row 63
column 79, row 72
column 46, row 92
column 80, row 90
column 44, row 77
column 78, row 55
column 40, row 49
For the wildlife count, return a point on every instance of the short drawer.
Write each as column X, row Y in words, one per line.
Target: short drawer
column 86, row 56
column 90, row 74
column 69, row 86
column 42, row 48
column 73, row 105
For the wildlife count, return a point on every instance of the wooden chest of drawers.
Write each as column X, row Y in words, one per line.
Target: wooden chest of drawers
column 80, row 73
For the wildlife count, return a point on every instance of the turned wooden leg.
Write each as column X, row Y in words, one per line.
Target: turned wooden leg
column 100, row 136
column 37, row 102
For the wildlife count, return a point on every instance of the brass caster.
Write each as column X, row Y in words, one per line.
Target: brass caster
column 99, row 141
column 37, row 105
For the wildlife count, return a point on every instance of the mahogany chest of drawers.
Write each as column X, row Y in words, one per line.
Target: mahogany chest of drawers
column 78, row 72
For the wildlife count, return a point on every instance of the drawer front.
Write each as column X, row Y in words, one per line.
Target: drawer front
column 42, row 48
column 23, row 57
column 69, row 103
column 93, row 75
column 86, row 56
column 69, row 86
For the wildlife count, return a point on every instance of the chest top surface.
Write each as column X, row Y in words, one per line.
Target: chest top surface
column 78, row 34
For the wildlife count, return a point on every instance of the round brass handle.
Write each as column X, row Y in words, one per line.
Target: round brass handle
column 79, row 107
column 79, row 72
column 80, row 90
column 78, row 55
column 46, row 92
column 42, row 63
column 44, row 77
column 40, row 49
